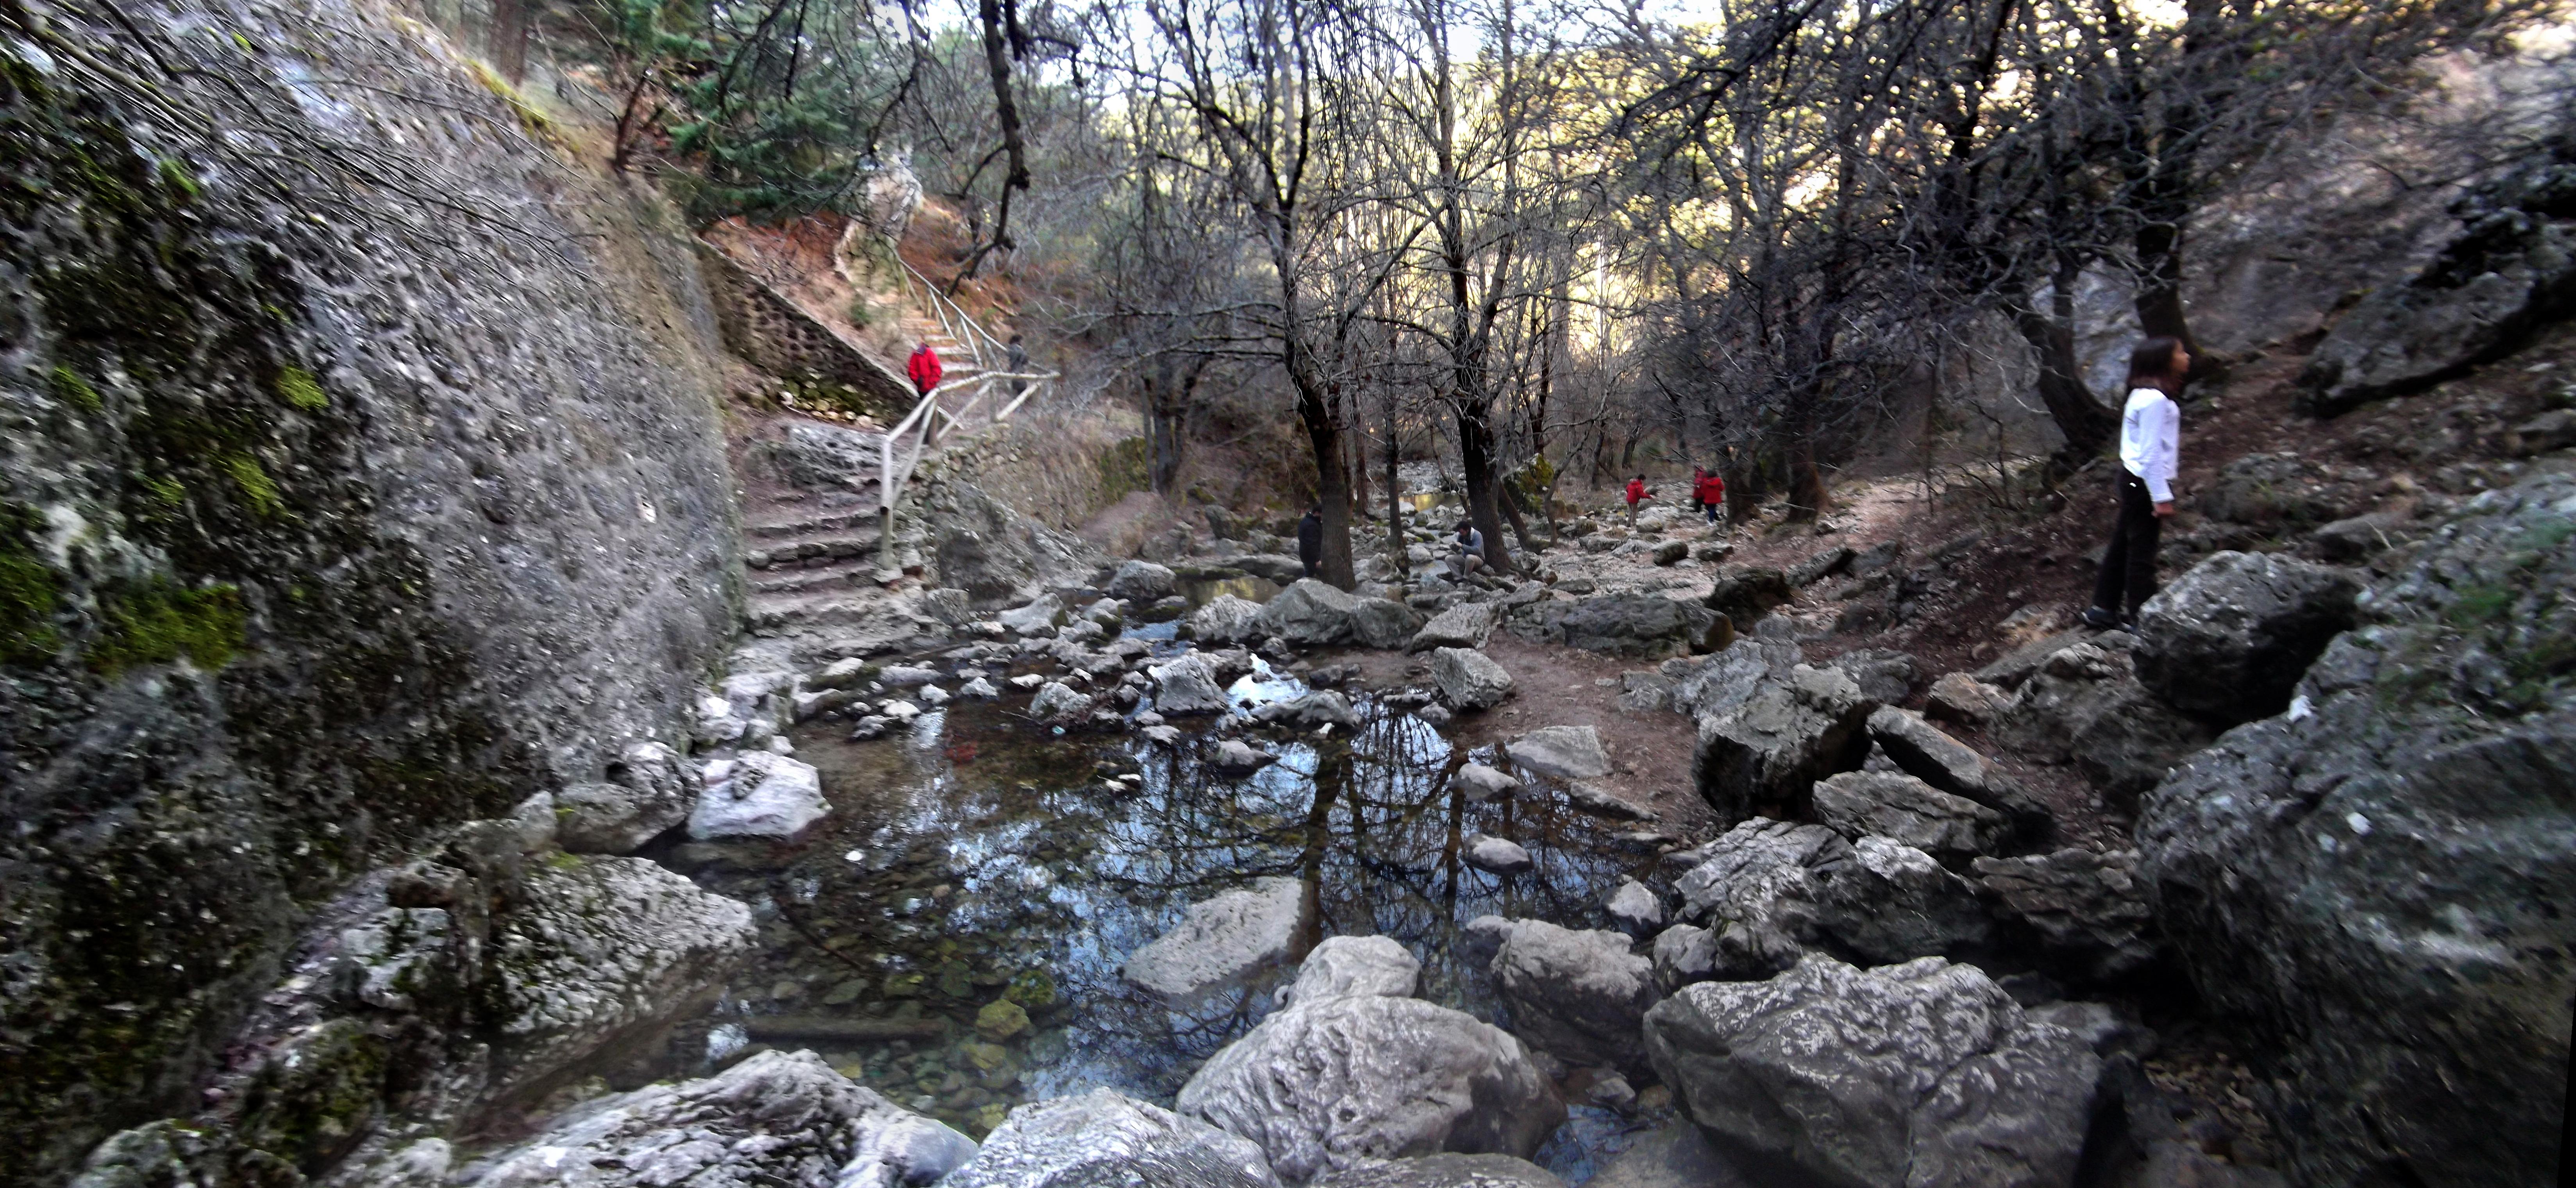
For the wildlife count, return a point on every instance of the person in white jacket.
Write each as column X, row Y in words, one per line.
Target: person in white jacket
column 2150, row 449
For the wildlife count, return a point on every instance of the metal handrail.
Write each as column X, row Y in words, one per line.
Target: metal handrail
column 923, row 422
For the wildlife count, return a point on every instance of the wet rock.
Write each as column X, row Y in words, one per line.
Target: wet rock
column 1567, row 752
column 1630, row 625
column 1468, row 679
column 870, row 728
column 1103, row 1138
column 1909, row 1075
column 1161, row 736
column 604, row 948
column 1058, row 703
column 1907, row 810
column 1357, row 965
column 980, row 689
column 1272, row 567
column 1488, row 853
column 1306, row 711
column 763, row 795
column 1037, row 617
column 1434, row 716
column 2374, row 881
column 2083, row 706
column 1234, row 757
column 1140, row 581
column 1676, row 1156
column 1578, row 996
column 2087, row 909
column 852, row 673
column 1226, row 619
column 1953, row 767
column 648, row 792
column 1772, row 747
column 1963, row 699
column 1884, row 676
column 1445, row 1171
column 1187, row 685
column 1001, row 1019
column 1636, row 909
column 775, row 1118
column 2228, row 640
column 1465, row 625
column 1324, row 1085
column 1745, row 593
column 1220, row 942
column 907, row 676
column 1484, row 783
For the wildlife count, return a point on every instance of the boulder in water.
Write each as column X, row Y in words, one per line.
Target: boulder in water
column 1579, row 996
column 1141, row 581
column 1226, row 619
column 1223, row 941
column 1357, row 965
column 1497, row 855
column 1104, row 1137
column 1186, row 686
column 764, row 795
column 648, row 791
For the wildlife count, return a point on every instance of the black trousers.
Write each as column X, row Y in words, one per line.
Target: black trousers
column 2128, row 575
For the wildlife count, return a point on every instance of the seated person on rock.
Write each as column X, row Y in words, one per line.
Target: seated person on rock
column 1471, row 551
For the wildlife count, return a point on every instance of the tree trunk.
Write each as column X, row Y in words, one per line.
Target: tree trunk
column 2084, row 422
column 510, row 21
column 1476, row 460
column 1332, row 478
column 1394, row 497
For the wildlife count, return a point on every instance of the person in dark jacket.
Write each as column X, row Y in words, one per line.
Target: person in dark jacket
column 1310, row 538
column 1018, row 361
column 1471, row 552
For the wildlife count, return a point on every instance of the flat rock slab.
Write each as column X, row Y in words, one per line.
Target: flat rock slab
column 1952, row 766
column 1103, row 1138
column 1221, row 942
column 1466, row 625
column 1905, row 809
column 1567, row 752
column 1579, row 996
column 764, row 795
column 1446, row 1171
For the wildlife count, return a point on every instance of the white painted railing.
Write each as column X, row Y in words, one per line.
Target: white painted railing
column 932, row 419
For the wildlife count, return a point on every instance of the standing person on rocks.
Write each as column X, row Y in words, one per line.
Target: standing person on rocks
column 1310, row 538
column 1018, row 361
column 2150, row 449
column 1637, row 492
column 1471, row 551
column 1699, row 487
column 1711, row 493
column 924, row 368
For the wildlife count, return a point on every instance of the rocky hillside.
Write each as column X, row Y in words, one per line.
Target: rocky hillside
column 362, row 476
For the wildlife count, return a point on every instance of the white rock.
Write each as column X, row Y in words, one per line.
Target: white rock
column 1568, row 752
column 1469, row 679
column 1485, row 852
column 1481, row 783
column 934, row 696
column 1357, row 965
column 1222, row 941
column 1104, row 1138
column 766, row 796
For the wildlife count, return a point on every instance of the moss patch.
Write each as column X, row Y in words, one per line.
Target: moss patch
column 298, row 387
column 255, row 484
column 159, row 622
column 70, row 388
column 1123, row 470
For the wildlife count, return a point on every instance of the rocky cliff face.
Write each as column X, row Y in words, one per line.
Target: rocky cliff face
column 357, row 476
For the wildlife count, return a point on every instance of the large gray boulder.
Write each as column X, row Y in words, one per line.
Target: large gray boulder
column 764, row 795
column 1745, row 593
column 1058, row 703
column 2083, row 704
column 1039, row 614
column 1222, row 942
column 775, row 1118
column 1311, row 614
column 2086, row 910
column 1446, row 1171
column 1768, row 751
column 2228, row 640
column 1226, row 619
column 1105, row 1138
column 1755, row 889
column 1892, row 902
column 1884, row 675
column 996, row 555
column 2373, row 884
column 603, row 949
column 1630, row 625
column 1384, row 623
column 1330, row 1083
column 1579, row 996
column 2511, row 269
column 1907, row 810
column 1187, row 685
column 1469, row 679
column 1566, row 752
column 1141, row 582
column 1357, row 965
column 1718, row 683
column 647, row 792
column 1465, row 625
column 1930, row 755
column 1920, row 1075
column 1307, row 711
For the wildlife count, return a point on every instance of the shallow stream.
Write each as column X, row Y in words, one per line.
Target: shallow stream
column 952, row 935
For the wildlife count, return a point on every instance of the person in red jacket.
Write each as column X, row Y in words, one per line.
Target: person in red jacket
column 924, row 368
column 1712, row 494
column 1637, row 491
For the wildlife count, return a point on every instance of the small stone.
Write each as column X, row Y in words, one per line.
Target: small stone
column 1481, row 783
column 1001, row 1019
column 1497, row 855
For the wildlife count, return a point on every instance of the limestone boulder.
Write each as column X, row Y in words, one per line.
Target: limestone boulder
column 1307, row 711
column 1328, row 1084
column 763, row 795
column 1446, row 1171
column 1469, row 679
column 1222, row 942
column 1579, row 996
column 998, row 556
column 1745, row 593
column 1963, row 699
column 2228, row 640
column 1058, row 703
column 1464, row 625
column 1187, row 685
column 1884, row 675
column 1102, row 1138
column 1310, row 614
column 1226, row 619
column 647, row 792
column 1890, row 902
column 2084, row 705
column 1484, row 783
column 1919, row 1075
column 1630, row 625
column 1755, row 889
column 1357, row 965
column 1141, row 582
column 1928, row 754
column 1635, row 908
column 2085, row 910
column 1236, row 758
column 1768, row 751
column 1907, row 810
column 775, row 1118
column 1496, row 855
column 1567, row 752
column 1039, row 615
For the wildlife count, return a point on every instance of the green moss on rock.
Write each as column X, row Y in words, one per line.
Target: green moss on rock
column 70, row 388
column 313, row 1102
column 298, row 387
column 158, row 622
column 255, row 484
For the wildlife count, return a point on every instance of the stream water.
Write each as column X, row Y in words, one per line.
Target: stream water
column 952, row 935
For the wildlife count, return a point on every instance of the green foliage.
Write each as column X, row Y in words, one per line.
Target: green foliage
column 29, row 591
column 70, row 388
column 175, row 176
column 157, row 622
column 298, row 387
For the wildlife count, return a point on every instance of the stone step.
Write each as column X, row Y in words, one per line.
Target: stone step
column 812, row 551
column 837, row 575
column 800, row 522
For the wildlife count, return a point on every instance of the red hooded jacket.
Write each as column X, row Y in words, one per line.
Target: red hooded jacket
column 1712, row 489
column 1637, row 490
column 924, row 368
